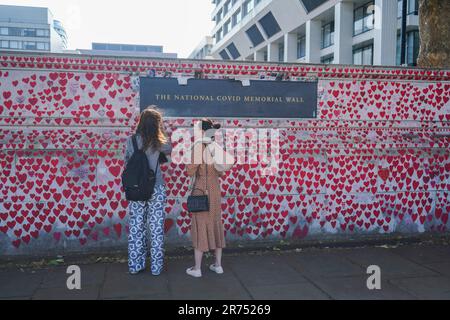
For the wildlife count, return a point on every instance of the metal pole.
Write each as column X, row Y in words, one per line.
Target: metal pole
column 403, row 33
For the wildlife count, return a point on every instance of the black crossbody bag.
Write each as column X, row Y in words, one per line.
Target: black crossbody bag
column 199, row 203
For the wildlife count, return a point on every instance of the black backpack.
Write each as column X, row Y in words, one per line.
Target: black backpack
column 138, row 179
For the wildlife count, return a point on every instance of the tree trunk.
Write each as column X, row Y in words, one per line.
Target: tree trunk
column 434, row 34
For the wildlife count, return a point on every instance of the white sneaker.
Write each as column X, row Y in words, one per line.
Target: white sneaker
column 194, row 273
column 218, row 270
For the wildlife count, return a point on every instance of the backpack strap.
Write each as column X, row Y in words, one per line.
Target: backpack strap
column 135, row 145
column 157, row 166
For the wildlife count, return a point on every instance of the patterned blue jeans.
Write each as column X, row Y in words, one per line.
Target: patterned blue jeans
column 147, row 216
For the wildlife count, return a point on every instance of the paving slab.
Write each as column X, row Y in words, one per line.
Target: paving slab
column 392, row 265
column 425, row 254
column 17, row 298
column 118, row 283
column 355, row 288
column 433, row 288
column 295, row 291
column 17, row 283
column 324, row 264
column 264, row 270
column 442, row 268
column 91, row 275
column 149, row 297
column 61, row 293
column 209, row 286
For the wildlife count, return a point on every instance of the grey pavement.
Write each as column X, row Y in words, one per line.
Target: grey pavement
column 407, row 272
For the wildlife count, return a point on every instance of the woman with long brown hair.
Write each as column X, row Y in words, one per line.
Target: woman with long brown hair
column 150, row 137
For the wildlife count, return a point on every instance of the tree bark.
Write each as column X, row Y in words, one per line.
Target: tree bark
column 434, row 34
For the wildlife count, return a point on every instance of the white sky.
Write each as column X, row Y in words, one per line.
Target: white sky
column 178, row 25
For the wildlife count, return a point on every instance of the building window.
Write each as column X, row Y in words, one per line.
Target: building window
column 254, row 35
column 29, row 45
column 412, row 7
column 266, row 56
column 328, row 35
column 224, row 55
column 114, row 47
column 280, row 52
column 233, row 51
column 236, row 18
column 4, row 44
column 412, row 47
column 301, row 47
column 226, row 27
column 43, row 46
column 219, row 35
column 247, row 7
column 363, row 55
column 42, row 33
column 269, row 24
column 24, row 32
column 29, row 33
column 327, row 59
column 206, row 51
column 15, row 45
column 226, row 7
column 127, row 48
column 398, row 52
column 219, row 16
column 15, row 32
column 363, row 18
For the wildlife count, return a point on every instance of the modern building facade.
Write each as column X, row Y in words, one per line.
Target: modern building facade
column 361, row 32
column 30, row 29
column 127, row 50
column 203, row 50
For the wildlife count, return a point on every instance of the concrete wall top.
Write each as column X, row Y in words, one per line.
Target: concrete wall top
column 214, row 68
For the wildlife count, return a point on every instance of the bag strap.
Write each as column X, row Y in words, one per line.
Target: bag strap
column 135, row 145
column 191, row 187
column 195, row 178
column 206, row 179
column 157, row 164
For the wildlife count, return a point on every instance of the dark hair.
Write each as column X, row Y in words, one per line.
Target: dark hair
column 151, row 129
column 208, row 124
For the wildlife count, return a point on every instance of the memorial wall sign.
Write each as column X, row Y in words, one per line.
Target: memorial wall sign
column 229, row 98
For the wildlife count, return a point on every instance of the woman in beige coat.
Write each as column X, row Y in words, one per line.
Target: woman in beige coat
column 206, row 227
